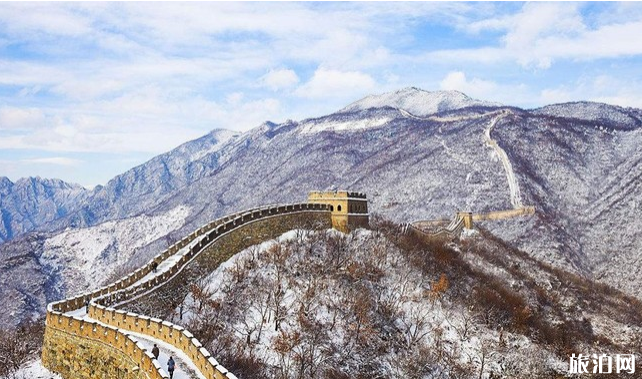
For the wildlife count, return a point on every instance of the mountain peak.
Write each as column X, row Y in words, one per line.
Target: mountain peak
column 417, row 101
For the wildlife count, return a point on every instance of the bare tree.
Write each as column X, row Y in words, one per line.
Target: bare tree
column 277, row 256
column 463, row 320
column 18, row 346
column 415, row 325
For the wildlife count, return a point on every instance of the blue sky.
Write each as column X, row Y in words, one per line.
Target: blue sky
column 89, row 90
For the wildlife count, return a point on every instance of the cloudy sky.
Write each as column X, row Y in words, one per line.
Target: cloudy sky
column 89, row 90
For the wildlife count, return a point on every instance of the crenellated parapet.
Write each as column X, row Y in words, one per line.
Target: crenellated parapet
column 78, row 344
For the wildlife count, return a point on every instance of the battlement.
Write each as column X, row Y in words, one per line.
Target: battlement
column 336, row 195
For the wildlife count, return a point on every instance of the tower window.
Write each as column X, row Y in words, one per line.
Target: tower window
column 339, row 208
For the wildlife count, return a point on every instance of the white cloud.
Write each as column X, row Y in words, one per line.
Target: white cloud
column 279, row 79
column 602, row 88
column 147, row 121
column 333, row 83
column 58, row 161
column 556, row 95
column 475, row 87
column 39, row 20
column 21, row 118
column 234, row 98
column 542, row 33
column 516, row 94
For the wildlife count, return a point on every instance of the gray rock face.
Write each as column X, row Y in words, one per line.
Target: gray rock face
column 579, row 164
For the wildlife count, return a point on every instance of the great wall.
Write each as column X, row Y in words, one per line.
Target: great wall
column 92, row 336
column 87, row 336
column 451, row 229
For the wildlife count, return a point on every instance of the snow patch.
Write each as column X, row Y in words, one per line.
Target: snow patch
column 35, row 370
column 359, row 124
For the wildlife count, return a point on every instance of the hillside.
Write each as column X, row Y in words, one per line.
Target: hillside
column 39, row 268
column 382, row 304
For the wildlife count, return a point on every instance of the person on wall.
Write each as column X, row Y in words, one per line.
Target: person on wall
column 170, row 367
column 155, row 351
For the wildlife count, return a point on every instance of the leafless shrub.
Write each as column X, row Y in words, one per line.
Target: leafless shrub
column 19, row 346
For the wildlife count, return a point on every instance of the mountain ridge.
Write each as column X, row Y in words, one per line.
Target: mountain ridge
column 418, row 102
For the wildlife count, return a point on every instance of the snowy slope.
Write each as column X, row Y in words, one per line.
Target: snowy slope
column 85, row 258
column 35, row 370
column 362, row 306
column 316, row 126
column 42, row 268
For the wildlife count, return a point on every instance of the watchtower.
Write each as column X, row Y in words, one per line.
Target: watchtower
column 349, row 209
column 468, row 219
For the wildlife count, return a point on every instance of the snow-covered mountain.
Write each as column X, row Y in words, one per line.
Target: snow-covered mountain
column 418, row 155
column 141, row 188
column 31, row 202
column 51, row 204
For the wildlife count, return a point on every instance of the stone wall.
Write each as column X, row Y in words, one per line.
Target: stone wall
column 501, row 215
column 431, row 230
column 437, row 228
column 72, row 346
